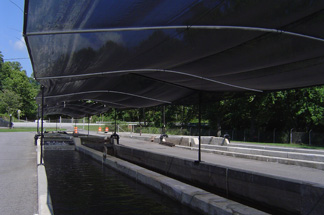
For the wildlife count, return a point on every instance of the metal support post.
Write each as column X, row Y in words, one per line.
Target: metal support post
column 199, row 130
column 88, row 123
column 115, row 120
column 310, row 137
column 38, row 119
column 163, row 119
column 163, row 135
column 291, row 135
column 115, row 136
column 42, row 126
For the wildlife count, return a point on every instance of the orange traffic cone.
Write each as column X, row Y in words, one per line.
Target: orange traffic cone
column 99, row 129
column 75, row 130
column 107, row 129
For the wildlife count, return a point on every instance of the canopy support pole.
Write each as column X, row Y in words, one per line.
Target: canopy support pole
column 139, row 122
column 42, row 127
column 115, row 121
column 163, row 135
column 163, row 131
column 199, row 130
column 38, row 119
column 88, row 124
column 115, row 135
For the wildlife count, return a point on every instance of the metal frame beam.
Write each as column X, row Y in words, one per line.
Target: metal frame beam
column 96, row 74
column 203, row 27
column 107, row 102
column 107, row 91
column 73, row 106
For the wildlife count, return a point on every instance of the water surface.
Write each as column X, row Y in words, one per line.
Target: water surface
column 80, row 185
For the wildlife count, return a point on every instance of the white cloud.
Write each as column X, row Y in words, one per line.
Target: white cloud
column 20, row 44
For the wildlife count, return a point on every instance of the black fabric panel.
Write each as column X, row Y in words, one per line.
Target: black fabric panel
column 52, row 15
column 142, row 68
column 76, row 109
column 126, row 90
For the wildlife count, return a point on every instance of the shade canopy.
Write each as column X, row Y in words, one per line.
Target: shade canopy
column 141, row 53
column 76, row 109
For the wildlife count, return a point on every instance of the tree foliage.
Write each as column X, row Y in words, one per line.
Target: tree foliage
column 301, row 109
column 9, row 101
column 22, row 90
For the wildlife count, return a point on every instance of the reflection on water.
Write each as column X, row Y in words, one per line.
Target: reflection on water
column 79, row 185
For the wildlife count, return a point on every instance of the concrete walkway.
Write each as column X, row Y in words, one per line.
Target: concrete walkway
column 298, row 157
column 291, row 172
column 18, row 175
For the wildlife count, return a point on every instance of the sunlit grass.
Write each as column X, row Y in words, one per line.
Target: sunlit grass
column 293, row 145
column 26, row 129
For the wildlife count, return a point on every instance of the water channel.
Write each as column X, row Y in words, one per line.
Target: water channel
column 79, row 185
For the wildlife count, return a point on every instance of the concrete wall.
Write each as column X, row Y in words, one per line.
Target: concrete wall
column 193, row 197
column 44, row 199
column 59, row 147
column 186, row 141
column 274, row 193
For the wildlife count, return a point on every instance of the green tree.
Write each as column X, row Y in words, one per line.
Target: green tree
column 10, row 102
column 310, row 107
column 14, row 80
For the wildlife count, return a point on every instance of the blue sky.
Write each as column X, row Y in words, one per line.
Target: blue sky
column 12, row 44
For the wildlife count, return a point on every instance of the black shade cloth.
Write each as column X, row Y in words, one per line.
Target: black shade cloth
column 76, row 109
column 141, row 53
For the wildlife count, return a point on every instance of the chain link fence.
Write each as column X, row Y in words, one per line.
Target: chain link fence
column 247, row 135
column 4, row 123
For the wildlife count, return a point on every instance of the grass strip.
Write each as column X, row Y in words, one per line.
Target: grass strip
column 26, row 129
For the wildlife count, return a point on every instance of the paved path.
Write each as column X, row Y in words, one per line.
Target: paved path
column 290, row 172
column 18, row 176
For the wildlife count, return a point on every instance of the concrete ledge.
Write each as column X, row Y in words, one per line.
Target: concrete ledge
column 179, row 140
column 193, row 197
column 44, row 199
column 59, row 147
column 193, row 141
column 272, row 192
column 288, row 161
column 267, row 152
column 277, row 148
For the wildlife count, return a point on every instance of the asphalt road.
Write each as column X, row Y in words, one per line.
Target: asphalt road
column 18, row 174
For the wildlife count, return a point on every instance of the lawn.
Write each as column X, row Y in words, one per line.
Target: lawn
column 26, row 129
column 293, row 145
